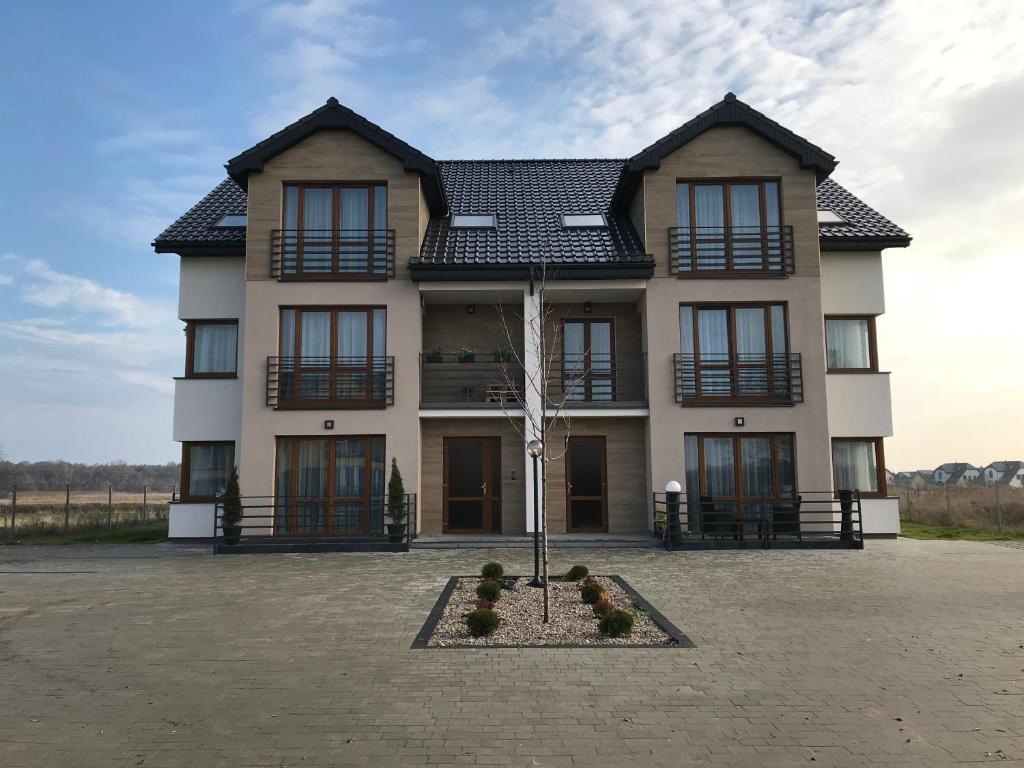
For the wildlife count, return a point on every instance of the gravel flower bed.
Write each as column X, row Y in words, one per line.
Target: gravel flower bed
column 521, row 610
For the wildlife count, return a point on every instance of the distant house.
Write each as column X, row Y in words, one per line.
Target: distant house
column 957, row 473
column 917, row 478
column 1010, row 473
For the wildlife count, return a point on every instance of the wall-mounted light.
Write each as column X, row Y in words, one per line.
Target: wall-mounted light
column 739, row 421
column 471, row 309
column 587, row 308
column 328, row 423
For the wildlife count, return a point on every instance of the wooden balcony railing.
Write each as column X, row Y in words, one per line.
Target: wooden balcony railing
column 332, row 254
column 738, row 379
column 731, row 251
column 330, row 382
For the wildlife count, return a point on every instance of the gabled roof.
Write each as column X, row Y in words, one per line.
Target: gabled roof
column 528, row 198
column 729, row 111
column 194, row 233
column 334, row 116
column 865, row 229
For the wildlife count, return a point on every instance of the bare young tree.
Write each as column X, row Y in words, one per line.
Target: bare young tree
column 528, row 388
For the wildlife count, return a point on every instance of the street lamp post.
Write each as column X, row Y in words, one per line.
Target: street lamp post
column 536, row 449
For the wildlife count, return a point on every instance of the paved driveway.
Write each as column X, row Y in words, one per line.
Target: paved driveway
column 906, row 654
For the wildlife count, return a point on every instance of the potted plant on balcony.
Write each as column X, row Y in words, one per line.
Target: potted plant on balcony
column 467, row 355
column 503, row 355
column 398, row 510
column 231, row 510
column 434, row 354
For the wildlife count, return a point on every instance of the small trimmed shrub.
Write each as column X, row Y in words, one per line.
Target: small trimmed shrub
column 488, row 590
column 603, row 607
column 576, row 573
column 617, row 623
column 483, row 622
column 591, row 592
column 492, row 571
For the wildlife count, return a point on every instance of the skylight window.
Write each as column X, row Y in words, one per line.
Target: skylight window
column 232, row 221
column 583, row 220
column 828, row 216
column 473, row 221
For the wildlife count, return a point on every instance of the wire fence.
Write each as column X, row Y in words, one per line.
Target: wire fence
column 35, row 513
column 978, row 507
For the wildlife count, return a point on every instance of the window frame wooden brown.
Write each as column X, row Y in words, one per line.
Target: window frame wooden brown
column 334, row 369
column 334, row 273
column 872, row 343
column 190, row 341
column 185, row 494
column 733, row 365
column 739, row 498
column 879, row 442
column 588, row 373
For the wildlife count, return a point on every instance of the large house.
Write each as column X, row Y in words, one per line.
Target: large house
column 1009, row 473
column 957, row 473
column 710, row 302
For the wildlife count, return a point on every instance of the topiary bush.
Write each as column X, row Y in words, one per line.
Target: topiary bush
column 617, row 623
column 591, row 592
column 603, row 607
column 492, row 571
column 488, row 590
column 483, row 622
column 577, row 572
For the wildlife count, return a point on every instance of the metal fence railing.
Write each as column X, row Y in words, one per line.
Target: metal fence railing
column 33, row 513
column 980, row 507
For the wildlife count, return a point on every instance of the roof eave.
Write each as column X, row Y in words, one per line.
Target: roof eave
column 862, row 243
column 200, row 248
column 425, row 272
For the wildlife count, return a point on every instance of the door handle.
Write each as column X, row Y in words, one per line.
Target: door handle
column 483, row 487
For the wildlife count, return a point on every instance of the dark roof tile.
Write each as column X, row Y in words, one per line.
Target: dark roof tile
column 196, row 226
column 864, row 228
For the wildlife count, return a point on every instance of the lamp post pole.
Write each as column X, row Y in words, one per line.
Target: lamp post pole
column 536, row 449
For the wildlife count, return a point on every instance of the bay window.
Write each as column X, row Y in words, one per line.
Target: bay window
column 850, row 343
column 858, row 465
column 205, row 467
column 211, row 349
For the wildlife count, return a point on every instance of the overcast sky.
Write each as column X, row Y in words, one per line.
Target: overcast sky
column 116, row 117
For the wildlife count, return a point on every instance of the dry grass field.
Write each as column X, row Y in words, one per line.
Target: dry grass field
column 40, row 512
column 974, row 507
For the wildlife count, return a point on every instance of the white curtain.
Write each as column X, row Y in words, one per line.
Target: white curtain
column 352, row 337
column 709, row 209
column 316, row 336
column 214, row 348
column 380, row 332
column 855, row 465
column 756, row 460
column 751, row 343
column 719, row 466
column 208, row 469
column 349, row 466
column 317, row 223
column 847, row 343
column 713, row 335
column 745, row 200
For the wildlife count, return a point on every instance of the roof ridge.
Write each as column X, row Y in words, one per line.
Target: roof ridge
column 540, row 160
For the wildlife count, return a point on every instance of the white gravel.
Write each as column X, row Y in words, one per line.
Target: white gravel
column 521, row 609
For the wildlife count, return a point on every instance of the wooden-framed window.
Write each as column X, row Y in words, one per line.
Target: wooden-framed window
column 588, row 359
column 333, row 354
column 858, row 464
column 205, row 467
column 729, row 224
column 329, row 486
column 742, row 474
column 211, row 349
column 851, row 344
column 734, row 351
column 335, row 229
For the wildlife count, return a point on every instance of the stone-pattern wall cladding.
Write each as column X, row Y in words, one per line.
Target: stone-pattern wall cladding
column 734, row 152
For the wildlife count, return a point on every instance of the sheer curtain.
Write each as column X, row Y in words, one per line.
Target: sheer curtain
column 719, row 467
column 846, row 341
column 709, row 207
column 352, row 338
column 573, row 358
column 752, row 347
column 745, row 212
column 855, row 465
column 380, row 226
column 311, row 485
column 317, row 223
column 355, row 223
column 208, row 468
column 315, row 352
column 713, row 339
column 214, row 348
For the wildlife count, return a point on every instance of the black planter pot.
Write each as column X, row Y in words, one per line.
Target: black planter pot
column 396, row 532
column 232, row 534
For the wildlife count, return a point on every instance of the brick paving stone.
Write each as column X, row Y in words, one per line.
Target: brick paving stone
column 164, row 656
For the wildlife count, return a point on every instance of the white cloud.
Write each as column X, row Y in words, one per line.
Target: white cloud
column 6, row 279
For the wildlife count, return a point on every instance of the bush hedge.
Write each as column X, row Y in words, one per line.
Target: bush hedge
column 483, row 622
column 617, row 623
column 492, row 571
column 488, row 590
column 577, row 572
column 591, row 592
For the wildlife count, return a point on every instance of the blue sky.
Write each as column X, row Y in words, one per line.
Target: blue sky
column 116, row 117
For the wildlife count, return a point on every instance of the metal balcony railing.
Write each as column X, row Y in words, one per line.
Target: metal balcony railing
column 330, row 382
column 738, row 379
column 731, row 251
column 332, row 254
column 596, row 380
column 469, row 381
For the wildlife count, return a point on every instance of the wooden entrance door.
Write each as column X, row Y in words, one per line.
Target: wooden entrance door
column 586, row 491
column 472, row 485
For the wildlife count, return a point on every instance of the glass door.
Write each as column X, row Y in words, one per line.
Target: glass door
column 472, row 485
column 586, row 485
column 588, row 360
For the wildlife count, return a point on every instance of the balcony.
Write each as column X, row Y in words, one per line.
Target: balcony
column 738, row 380
column 326, row 382
column 469, row 381
column 731, row 252
column 332, row 254
column 605, row 380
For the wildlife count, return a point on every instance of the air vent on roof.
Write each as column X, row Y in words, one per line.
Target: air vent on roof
column 232, row 221
column 473, row 221
column 828, row 216
column 583, row 220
